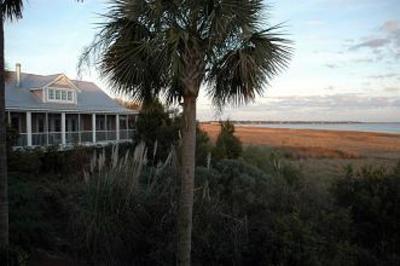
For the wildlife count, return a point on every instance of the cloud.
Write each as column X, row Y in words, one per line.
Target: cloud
column 335, row 102
column 363, row 60
column 335, row 107
column 331, row 66
column 391, row 26
column 392, row 89
column 329, row 88
column 384, row 44
column 373, row 43
column 383, row 76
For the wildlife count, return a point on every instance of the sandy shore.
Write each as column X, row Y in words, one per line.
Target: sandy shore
column 319, row 143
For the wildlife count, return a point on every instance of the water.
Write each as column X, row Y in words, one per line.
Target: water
column 393, row 128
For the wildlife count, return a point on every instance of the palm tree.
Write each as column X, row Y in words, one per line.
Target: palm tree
column 10, row 9
column 175, row 48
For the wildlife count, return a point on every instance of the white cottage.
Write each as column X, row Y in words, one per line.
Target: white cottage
column 54, row 110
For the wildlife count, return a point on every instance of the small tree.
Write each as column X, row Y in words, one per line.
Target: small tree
column 157, row 129
column 228, row 146
column 203, row 147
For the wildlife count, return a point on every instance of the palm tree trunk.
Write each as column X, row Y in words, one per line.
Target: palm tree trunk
column 3, row 149
column 184, row 223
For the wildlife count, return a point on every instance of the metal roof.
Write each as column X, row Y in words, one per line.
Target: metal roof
column 90, row 98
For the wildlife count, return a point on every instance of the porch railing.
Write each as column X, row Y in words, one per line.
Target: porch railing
column 22, row 139
column 55, row 138
column 126, row 134
column 39, row 139
column 87, row 136
column 74, row 137
column 106, row 135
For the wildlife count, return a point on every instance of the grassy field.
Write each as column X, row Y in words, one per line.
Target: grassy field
column 321, row 153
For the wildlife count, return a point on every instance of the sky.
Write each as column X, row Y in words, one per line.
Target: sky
column 345, row 65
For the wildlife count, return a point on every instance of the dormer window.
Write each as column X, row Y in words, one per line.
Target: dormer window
column 61, row 95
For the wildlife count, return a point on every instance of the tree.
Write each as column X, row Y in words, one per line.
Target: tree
column 171, row 48
column 227, row 146
column 157, row 130
column 12, row 10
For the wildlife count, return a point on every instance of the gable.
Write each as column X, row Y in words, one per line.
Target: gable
column 62, row 82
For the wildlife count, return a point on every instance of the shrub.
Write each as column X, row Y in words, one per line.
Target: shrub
column 244, row 217
column 227, row 146
column 157, row 130
column 373, row 197
column 203, row 147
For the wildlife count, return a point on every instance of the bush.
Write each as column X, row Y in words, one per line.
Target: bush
column 55, row 163
column 227, row 146
column 244, row 217
column 373, row 197
column 248, row 211
column 203, row 147
column 157, row 130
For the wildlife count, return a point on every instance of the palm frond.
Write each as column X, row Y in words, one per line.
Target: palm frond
column 148, row 49
column 12, row 9
column 243, row 72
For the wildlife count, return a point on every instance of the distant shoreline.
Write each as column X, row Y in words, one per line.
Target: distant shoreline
column 298, row 122
column 390, row 128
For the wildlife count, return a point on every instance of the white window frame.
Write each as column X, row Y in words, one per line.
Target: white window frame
column 70, row 96
column 51, row 93
column 62, row 95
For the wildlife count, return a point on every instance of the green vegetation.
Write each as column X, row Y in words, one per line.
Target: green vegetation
column 228, row 146
column 157, row 129
column 115, row 208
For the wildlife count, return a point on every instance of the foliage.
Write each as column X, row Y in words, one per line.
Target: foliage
column 123, row 212
column 51, row 161
column 123, row 220
column 157, row 130
column 227, row 146
column 204, row 147
column 150, row 48
column 373, row 197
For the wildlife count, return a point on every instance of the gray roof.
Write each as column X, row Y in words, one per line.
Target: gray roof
column 90, row 98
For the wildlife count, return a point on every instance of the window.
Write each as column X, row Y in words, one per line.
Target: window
column 70, row 96
column 58, row 96
column 51, row 94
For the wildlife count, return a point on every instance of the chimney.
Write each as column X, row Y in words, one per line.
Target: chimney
column 18, row 73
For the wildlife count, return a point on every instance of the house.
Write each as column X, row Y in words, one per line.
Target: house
column 55, row 110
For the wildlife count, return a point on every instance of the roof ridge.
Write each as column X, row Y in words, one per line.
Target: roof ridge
column 56, row 74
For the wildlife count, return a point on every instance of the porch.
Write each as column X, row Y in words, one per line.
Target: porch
column 45, row 128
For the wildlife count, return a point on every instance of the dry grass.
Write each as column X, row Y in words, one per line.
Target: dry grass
column 305, row 143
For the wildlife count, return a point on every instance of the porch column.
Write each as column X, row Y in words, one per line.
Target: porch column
column 94, row 128
column 79, row 129
column 105, row 126
column 63, row 139
column 29, row 128
column 47, row 128
column 117, row 126
column 9, row 118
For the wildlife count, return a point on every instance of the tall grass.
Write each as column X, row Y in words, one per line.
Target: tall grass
column 114, row 203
